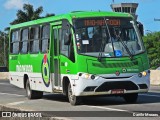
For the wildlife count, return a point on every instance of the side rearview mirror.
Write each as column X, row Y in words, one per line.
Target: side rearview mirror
column 140, row 27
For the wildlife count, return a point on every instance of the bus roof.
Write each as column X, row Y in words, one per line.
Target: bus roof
column 74, row 14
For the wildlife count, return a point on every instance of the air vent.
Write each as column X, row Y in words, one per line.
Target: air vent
column 127, row 85
column 115, row 65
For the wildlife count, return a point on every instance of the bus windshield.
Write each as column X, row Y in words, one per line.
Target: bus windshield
column 113, row 36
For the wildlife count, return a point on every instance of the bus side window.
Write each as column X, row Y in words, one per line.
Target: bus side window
column 45, row 38
column 14, row 44
column 24, row 41
column 34, row 40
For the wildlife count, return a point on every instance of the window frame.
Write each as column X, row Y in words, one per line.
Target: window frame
column 17, row 41
column 42, row 39
column 33, row 39
column 20, row 29
column 20, row 48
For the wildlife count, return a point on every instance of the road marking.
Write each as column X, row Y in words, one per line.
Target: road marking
column 16, row 103
column 5, row 84
column 150, row 95
column 10, row 94
column 106, row 108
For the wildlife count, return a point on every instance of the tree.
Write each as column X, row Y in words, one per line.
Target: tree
column 4, row 48
column 152, row 44
column 27, row 14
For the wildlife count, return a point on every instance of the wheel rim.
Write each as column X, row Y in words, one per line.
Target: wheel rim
column 28, row 90
column 71, row 97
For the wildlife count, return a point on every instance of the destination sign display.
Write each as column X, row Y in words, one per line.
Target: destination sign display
column 92, row 22
column 111, row 21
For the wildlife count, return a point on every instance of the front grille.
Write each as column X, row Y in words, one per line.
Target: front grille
column 127, row 85
column 115, row 65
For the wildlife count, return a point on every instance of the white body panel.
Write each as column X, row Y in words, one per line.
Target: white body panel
column 35, row 79
column 78, row 83
column 81, row 84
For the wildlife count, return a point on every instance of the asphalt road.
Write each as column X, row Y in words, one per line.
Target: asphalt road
column 94, row 107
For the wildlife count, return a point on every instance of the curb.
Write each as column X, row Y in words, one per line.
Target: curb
column 4, row 75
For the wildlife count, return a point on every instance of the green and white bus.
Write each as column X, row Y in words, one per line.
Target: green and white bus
column 79, row 54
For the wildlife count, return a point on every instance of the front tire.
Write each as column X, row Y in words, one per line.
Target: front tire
column 74, row 100
column 32, row 94
column 131, row 98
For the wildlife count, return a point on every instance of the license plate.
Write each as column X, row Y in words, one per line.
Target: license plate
column 117, row 91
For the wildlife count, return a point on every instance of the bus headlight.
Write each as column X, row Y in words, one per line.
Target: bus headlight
column 86, row 76
column 144, row 73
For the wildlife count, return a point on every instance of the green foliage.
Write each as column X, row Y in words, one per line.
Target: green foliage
column 152, row 44
column 27, row 14
column 4, row 56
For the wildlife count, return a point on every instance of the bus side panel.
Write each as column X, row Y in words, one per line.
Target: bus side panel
column 40, row 77
column 15, row 80
column 14, row 71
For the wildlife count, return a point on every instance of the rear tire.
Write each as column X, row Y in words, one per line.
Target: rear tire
column 32, row 94
column 131, row 98
column 74, row 100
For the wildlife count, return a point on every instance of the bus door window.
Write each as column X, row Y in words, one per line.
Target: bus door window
column 67, row 49
column 57, row 38
column 64, row 48
column 55, row 42
column 71, row 51
column 60, row 38
column 45, row 38
column 24, row 41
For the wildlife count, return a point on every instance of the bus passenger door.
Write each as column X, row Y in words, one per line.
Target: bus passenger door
column 56, row 79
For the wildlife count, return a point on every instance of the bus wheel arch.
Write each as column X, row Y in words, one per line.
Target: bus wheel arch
column 68, row 92
column 25, row 78
column 74, row 100
column 32, row 94
column 65, row 83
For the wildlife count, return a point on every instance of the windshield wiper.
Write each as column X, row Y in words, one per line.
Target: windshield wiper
column 100, row 52
column 128, row 51
column 103, row 42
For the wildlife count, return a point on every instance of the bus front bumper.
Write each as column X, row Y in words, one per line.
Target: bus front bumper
column 111, row 85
